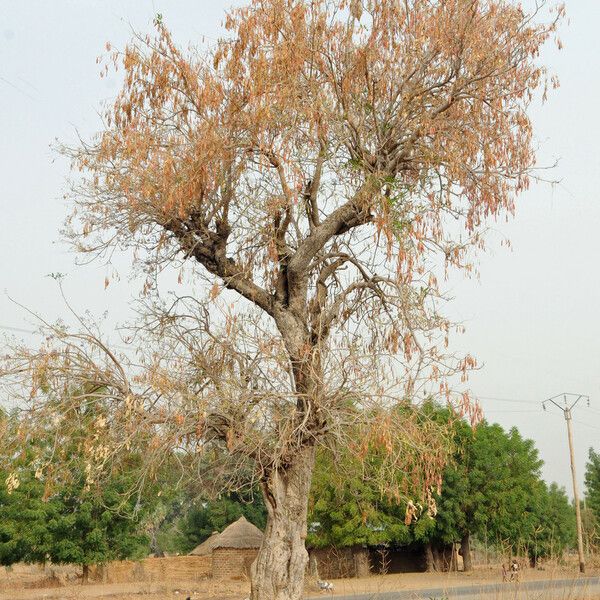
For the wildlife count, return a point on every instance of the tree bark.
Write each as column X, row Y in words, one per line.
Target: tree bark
column 362, row 567
column 453, row 557
column 465, row 548
column 430, row 565
column 279, row 569
column 85, row 575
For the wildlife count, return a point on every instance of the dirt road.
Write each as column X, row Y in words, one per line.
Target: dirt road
column 559, row 584
column 585, row 588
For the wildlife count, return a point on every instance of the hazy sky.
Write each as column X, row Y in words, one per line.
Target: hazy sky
column 533, row 317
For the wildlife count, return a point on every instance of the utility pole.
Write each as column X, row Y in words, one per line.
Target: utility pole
column 570, row 400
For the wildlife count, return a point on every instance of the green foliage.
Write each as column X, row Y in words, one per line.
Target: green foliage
column 70, row 521
column 487, row 491
column 205, row 517
column 94, row 526
column 24, row 535
column 346, row 508
column 492, row 489
column 359, row 496
column 553, row 522
column 592, row 482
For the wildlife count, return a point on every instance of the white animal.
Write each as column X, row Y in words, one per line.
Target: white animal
column 325, row 586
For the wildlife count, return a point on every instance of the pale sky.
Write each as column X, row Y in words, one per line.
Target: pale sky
column 533, row 317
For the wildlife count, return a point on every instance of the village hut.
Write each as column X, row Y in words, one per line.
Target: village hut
column 234, row 549
column 206, row 547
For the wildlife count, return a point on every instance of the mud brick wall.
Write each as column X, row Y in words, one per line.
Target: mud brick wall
column 171, row 568
column 232, row 563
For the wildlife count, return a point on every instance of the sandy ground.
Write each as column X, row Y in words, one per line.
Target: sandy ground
column 238, row 590
column 134, row 591
column 414, row 581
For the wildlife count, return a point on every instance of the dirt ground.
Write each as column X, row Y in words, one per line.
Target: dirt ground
column 17, row 585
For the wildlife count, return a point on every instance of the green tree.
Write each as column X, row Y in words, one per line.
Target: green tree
column 488, row 489
column 24, row 534
column 206, row 516
column 592, row 482
column 491, row 488
column 357, row 500
column 70, row 520
column 91, row 526
column 347, row 508
column 553, row 523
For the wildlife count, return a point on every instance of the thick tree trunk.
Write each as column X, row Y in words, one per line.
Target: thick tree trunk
column 453, row 558
column 430, row 565
column 439, row 559
column 279, row 569
column 442, row 557
column 465, row 549
column 362, row 567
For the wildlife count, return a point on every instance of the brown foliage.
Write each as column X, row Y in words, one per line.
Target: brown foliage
column 321, row 162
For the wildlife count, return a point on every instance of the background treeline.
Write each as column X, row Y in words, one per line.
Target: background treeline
column 492, row 491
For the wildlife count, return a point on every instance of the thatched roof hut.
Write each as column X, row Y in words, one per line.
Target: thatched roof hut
column 235, row 549
column 240, row 534
column 206, row 547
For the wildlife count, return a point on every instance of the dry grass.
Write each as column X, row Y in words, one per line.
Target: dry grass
column 22, row 582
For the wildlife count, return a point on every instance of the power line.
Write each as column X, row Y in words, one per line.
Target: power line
column 16, row 87
column 34, row 332
column 500, row 410
column 511, row 400
column 18, row 329
column 587, row 424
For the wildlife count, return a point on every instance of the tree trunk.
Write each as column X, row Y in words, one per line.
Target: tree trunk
column 313, row 567
column 442, row 557
column 465, row 548
column 85, row 575
column 362, row 568
column 430, row 566
column 453, row 557
column 279, row 569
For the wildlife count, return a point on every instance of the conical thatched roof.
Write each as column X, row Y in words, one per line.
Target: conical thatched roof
column 240, row 534
column 206, row 547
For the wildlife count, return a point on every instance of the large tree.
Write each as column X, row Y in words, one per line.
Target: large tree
column 553, row 523
column 491, row 489
column 316, row 163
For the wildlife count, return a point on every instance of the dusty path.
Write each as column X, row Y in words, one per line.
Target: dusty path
column 585, row 588
column 224, row 590
column 559, row 584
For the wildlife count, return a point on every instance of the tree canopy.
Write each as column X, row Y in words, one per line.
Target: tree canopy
column 492, row 489
column 70, row 520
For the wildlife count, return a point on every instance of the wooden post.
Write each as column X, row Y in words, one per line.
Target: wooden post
column 568, row 418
